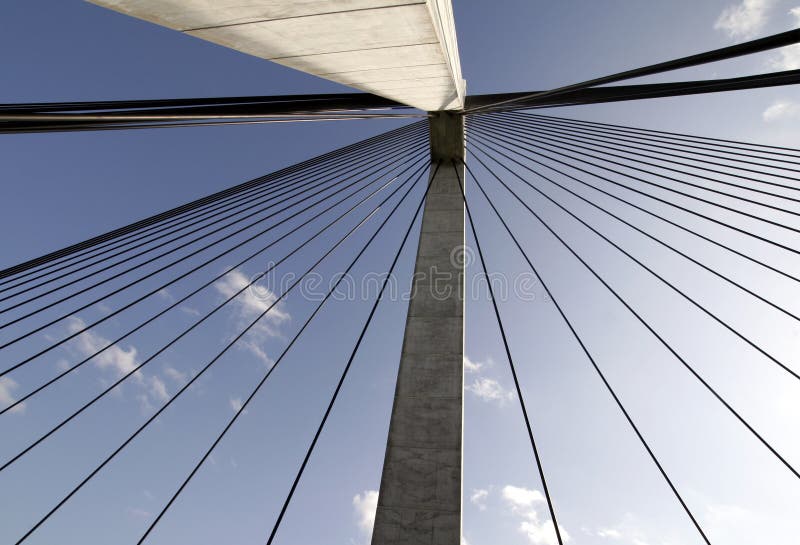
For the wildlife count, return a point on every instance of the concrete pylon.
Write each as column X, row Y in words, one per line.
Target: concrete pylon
column 419, row 502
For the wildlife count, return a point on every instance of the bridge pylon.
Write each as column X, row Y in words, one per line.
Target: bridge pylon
column 420, row 494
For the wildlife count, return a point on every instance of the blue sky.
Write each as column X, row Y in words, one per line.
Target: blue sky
column 62, row 188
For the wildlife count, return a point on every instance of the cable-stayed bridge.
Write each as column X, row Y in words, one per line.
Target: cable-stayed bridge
column 413, row 190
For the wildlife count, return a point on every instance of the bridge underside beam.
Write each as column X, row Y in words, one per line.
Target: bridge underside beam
column 403, row 51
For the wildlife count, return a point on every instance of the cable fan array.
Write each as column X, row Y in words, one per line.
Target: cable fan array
column 545, row 154
column 344, row 206
column 382, row 180
column 513, row 152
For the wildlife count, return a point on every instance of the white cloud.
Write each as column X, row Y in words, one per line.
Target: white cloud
column 782, row 110
column 486, row 389
column 158, row 389
column 464, row 541
column 472, row 366
column 478, row 497
column 248, row 306
column 253, row 300
column 609, row 533
column 175, row 375
column 120, row 361
column 164, row 294
column 190, row 311
column 139, row 513
column 522, row 498
column 236, row 404
column 489, row 390
column 788, row 58
column 115, row 357
column 144, row 403
column 542, row 533
column 365, row 505
column 524, row 503
column 629, row 531
column 745, row 20
column 254, row 345
column 7, row 384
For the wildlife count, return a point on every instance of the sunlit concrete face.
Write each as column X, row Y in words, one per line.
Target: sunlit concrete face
column 404, row 51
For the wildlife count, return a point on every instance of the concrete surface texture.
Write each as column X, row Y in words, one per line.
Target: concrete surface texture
column 404, row 51
column 419, row 502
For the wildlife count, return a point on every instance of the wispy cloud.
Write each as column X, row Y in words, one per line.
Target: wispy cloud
column 138, row 513
column 627, row 532
column 191, row 311
column 248, row 306
column 490, row 390
column 236, row 404
column 745, row 20
column 630, row 531
column 522, row 499
column 253, row 300
column 119, row 360
column 611, row 533
column 479, row 497
column 524, row 504
column 365, row 505
column 542, row 533
column 472, row 366
column 485, row 388
column 165, row 294
column 158, row 389
column 781, row 110
column 788, row 58
column 7, row 385
column 176, row 376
